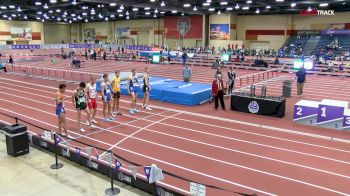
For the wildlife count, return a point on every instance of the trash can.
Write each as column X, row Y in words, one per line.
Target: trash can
column 16, row 140
column 287, row 88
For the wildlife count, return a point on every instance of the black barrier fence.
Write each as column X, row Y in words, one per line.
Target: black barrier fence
column 100, row 165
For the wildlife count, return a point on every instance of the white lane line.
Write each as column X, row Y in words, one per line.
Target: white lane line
column 221, row 119
column 212, row 159
column 138, row 131
column 215, row 126
column 148, row 157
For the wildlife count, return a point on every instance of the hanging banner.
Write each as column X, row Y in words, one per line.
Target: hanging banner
column 21, row 34
column 219, row 32
column 25, row 46
column 183, row 26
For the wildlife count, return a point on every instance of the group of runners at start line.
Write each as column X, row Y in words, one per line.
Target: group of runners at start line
column 85, row 98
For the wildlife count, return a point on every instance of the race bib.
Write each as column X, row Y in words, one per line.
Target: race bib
column 92, row 94
column 108, row 91
column 118, row 86
column 81, row 99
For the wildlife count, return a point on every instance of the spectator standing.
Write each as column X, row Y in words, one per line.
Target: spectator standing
column 231, row 79
column 10, row 59
column 187, row 73
column 341, row 70
column 184, row 58
column 218, row 90
column 301, row 78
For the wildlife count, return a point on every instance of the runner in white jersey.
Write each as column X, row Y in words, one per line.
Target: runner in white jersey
column 92, row 97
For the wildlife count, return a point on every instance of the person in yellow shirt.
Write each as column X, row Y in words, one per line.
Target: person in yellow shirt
column 115, row 83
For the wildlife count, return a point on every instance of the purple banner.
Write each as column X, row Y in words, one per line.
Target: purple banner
column 26, row 47
column 336, row 32
column 142, row 48
column 80, row 45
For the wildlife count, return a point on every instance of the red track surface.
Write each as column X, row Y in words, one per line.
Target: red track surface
column 207, row 146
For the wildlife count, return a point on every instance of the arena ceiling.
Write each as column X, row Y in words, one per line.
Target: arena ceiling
column 103, row 10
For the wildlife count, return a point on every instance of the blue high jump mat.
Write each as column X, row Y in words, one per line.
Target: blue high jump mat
column 189, row 94
column 167, row 90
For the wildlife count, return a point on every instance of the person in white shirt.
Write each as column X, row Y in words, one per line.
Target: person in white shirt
column 92, row 97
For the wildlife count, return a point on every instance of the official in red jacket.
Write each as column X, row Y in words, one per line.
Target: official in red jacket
column 218, row 89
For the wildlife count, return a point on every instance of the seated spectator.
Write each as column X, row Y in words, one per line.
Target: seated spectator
column 330, row 66
column 277, row 62
column 76, row 63
column 3, row 67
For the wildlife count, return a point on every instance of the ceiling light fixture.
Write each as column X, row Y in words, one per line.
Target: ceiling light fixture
column 174, row 11
column 219, row 12
column 206, row 4
column 229, row 8
column 237, row 6
column 12, row 7
column 187, row 5
column 323, row 4
column 53, row 1
column 268, row 7
column 195, row 8
column 162, row 4
column 245, row 8
column 211, row 9
column 74, row 2
column 223, row 3
column 121, row 7
column 135, row 9
column 257, row 11
column 249, row 2
column 112, row 4
column 37, row 3
column 293, row 4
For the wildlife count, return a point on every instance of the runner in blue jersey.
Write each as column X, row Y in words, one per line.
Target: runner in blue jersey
column 133, row 87
column 60, row 111
column 106, row 90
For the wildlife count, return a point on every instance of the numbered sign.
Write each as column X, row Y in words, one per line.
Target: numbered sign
column 328, row 113
column 305, row 112
column 346, row 122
